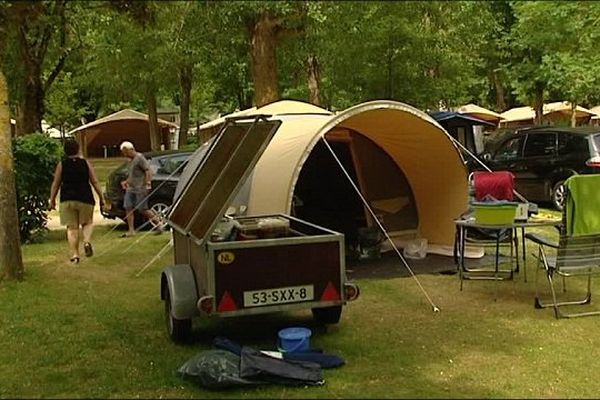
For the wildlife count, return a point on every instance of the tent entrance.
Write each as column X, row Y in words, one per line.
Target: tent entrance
column 324, row 196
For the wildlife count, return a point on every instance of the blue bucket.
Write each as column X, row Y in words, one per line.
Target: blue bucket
column 294, row 340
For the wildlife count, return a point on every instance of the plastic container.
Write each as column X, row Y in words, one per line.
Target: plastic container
column 500, row 213
column 294, row 340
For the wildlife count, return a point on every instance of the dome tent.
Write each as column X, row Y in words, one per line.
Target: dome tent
column 405, row 164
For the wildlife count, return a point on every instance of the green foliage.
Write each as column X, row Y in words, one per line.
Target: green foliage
column 557, row 45
column 35, row 156
column 428, row 54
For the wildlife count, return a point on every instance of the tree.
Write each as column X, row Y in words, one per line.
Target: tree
column 41, row 34
column 555, row 44
column 188, row 40
column 127, row 55
column 11, row 262
column 267, row 23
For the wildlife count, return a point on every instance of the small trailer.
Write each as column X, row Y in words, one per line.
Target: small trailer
column 234, row 266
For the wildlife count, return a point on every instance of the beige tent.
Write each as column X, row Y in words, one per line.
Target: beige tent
column 595, row 119
column 404, row 163
column 103, row 136
column 480, row 112
column 280, row 107
column 553, row 112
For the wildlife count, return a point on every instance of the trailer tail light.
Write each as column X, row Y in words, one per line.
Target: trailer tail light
column 351, row 291
column 205, row 304
column 330, row 293
column 226, row 304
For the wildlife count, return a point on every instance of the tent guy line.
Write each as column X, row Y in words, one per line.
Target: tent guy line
column 368, row 207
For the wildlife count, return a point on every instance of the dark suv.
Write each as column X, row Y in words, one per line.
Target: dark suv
column 166, row 167
column 541, row 158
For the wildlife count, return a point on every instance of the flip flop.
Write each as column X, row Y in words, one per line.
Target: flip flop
column 74, row 260
column 126, row 235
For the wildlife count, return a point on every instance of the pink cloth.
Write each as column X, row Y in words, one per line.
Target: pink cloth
column 498, row 184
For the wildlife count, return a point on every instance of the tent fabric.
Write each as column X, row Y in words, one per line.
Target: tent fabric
column 518, row 114
column 420, row 148
column 528, row 113
column 440, row 116
column 104, row 135
column 476, row 111
column 417, row 144
column 126, row 114
column 281, row 107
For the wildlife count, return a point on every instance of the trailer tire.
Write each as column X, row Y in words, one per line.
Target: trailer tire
column 179, row 330
column 327, row 315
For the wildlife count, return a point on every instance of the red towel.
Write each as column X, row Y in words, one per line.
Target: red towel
column 498, row 184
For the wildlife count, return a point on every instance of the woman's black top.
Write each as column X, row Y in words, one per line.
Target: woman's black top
column 76, row 181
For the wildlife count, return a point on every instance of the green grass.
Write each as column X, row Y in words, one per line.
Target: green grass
column 97, row 331
column 104, row 166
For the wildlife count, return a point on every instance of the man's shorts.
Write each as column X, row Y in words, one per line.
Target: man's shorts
column 136, row 201
column 74, row 213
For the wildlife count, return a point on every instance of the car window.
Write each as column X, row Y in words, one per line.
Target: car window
column 541, row 144
column 572, row 144
column 510, row 150
column 173, row 165
column 596, row 140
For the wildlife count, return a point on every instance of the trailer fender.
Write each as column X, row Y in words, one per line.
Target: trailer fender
column 179, row 282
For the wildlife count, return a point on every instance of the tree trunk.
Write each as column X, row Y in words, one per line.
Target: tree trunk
column 314, row 80
column 185, row 80
column 33, row 100
column 155, row 134
column 573, row 114
column 500, row 92
column 263, row 51
column 11, row 261
column 538, row 104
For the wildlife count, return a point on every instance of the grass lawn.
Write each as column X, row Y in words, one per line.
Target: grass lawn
column 97, row 331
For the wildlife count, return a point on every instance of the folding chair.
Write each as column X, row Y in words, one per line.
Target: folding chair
column 496, row 185
column 578, row 248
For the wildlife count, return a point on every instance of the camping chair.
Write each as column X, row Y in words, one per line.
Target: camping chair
column 578, row 247
column 496, row 185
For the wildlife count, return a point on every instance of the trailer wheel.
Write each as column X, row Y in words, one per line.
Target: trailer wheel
column 327, row 315
column 179, row 330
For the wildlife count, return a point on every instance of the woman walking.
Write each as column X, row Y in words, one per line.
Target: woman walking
column 73, row 175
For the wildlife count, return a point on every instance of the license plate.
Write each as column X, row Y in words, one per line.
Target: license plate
column 291, row 294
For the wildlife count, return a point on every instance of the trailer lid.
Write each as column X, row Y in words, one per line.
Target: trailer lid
column 216, row 180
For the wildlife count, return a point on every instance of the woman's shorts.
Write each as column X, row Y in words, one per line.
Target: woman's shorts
column 75, row 213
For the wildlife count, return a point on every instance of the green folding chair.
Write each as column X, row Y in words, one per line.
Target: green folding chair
column 577, row 253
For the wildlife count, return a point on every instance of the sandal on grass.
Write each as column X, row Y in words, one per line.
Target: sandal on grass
column 126, row 235
column 74, row 260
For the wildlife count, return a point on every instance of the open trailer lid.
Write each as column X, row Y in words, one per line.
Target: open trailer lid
column 216, row 180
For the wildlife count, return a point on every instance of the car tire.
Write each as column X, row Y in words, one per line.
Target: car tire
column 179, row 330
column 327, row 315
column 558, row 195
